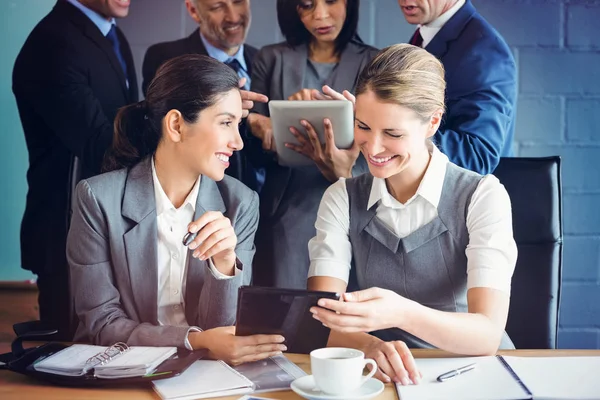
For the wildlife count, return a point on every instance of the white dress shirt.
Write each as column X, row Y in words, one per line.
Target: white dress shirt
column 172, row 255
column 491, row 252
column 428, row 31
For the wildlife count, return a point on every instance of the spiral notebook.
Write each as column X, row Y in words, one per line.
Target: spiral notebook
column 114, row 362
column 507, row 378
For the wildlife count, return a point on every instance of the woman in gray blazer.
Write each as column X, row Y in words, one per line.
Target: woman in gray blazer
column 321, row 48
column 134, row 278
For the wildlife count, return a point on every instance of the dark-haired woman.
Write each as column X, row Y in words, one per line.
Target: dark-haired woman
column 321, row 48
column 133, row 279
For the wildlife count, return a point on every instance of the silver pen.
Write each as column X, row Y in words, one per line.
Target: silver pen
column 455, row 372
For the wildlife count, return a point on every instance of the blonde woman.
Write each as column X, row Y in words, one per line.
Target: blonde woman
column 428, row 244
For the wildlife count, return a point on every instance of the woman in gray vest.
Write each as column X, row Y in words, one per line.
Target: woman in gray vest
column 321, row 48
column 427, row 244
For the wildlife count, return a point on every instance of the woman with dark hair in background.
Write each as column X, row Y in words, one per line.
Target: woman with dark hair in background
column 321, row 48
column 134, row 279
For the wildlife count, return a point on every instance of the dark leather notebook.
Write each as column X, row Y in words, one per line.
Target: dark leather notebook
column 22, row 361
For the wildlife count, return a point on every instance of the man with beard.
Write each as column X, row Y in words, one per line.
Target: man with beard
column 223, row 26
column 70, row 78
column 481, row 80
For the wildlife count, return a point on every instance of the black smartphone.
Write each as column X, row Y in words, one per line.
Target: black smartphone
column 286, row 312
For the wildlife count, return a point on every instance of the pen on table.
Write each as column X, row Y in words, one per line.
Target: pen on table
column 455, row 372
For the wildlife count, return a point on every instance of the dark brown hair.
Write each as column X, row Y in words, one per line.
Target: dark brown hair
column 189, row 84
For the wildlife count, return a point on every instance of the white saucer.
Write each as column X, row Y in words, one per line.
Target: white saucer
column 307, row 388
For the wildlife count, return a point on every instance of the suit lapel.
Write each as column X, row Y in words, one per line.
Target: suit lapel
column 194, row 44
column 140, row 242
column 345, row 75
column 294, row 67
column 209, row 199
column 249, row 53
column 93, row 33
column 451, row 30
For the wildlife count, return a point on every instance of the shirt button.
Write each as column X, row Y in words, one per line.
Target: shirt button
column 176, row 307
column 174, row 256
column 175, row 291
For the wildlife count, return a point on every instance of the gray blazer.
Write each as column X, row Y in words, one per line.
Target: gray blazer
column 291, row 196
column 278, row 70
column 112, row 253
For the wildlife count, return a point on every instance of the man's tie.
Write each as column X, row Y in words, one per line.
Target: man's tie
column 417, row 39
column 234, row 64
column 114, row 39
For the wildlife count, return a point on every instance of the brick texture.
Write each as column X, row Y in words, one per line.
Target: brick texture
column 582, row 26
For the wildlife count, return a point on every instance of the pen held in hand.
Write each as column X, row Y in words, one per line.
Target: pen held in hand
column 189, row 238
column 455, row 372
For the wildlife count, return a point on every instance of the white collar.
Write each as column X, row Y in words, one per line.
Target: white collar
column 430, row 187
column 429, row 30
column 162, row 200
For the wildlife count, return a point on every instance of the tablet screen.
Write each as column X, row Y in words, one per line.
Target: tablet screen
column 284, row 312
column 285, row 113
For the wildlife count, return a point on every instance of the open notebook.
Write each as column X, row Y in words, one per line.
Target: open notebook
column 114, row 362
column 206, row 378
column 508, row 378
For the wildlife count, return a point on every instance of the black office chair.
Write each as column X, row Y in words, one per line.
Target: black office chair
column 534, row 187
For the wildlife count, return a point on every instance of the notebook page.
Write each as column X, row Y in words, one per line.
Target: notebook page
column 489, row 380
column 137, row 361
column 204, row 378
column 557, row 378
column 69, row 361
column 139, row 356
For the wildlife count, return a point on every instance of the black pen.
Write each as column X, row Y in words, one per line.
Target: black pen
column 455, row 372
column 188, row 238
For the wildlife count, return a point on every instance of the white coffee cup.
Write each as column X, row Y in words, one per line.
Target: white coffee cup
column 338, row 370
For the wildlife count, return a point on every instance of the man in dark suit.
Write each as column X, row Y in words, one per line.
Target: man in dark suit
column 223, row 26
column 481, row 80
column 72, row 75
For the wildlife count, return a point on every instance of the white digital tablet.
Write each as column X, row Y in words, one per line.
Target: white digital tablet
column 287, row 113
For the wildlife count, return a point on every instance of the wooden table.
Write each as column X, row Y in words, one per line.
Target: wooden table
column 16, row 386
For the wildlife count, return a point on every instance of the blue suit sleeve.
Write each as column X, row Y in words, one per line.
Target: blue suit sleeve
column 480, row 108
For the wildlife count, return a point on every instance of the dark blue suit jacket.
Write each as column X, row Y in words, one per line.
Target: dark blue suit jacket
column 481, row 92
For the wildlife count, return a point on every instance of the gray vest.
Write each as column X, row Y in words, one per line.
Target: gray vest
column 428, row 266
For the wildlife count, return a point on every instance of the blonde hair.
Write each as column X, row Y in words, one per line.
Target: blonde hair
column 408, row 76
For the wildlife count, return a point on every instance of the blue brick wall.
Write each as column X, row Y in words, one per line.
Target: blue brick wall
column 557, row 47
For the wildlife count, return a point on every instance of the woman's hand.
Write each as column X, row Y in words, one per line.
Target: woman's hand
column 222, row 344
column 248, row 98
column 303, row 94
column 330, row 94
column 364, row 311
column 331, row 161
column 261, row 127
column 394, row 361
column 217, row 239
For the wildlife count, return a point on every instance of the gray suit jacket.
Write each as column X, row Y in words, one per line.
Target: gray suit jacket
column 291, row 196
column 278, row 70
column 112, row 253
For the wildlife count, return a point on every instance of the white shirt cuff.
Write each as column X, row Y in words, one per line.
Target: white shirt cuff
column 187, row 340
column 218, row 275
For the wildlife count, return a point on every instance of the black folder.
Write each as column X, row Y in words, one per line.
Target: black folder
column 22, row 361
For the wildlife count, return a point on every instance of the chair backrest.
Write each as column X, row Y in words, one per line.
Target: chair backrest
column 534, row 187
